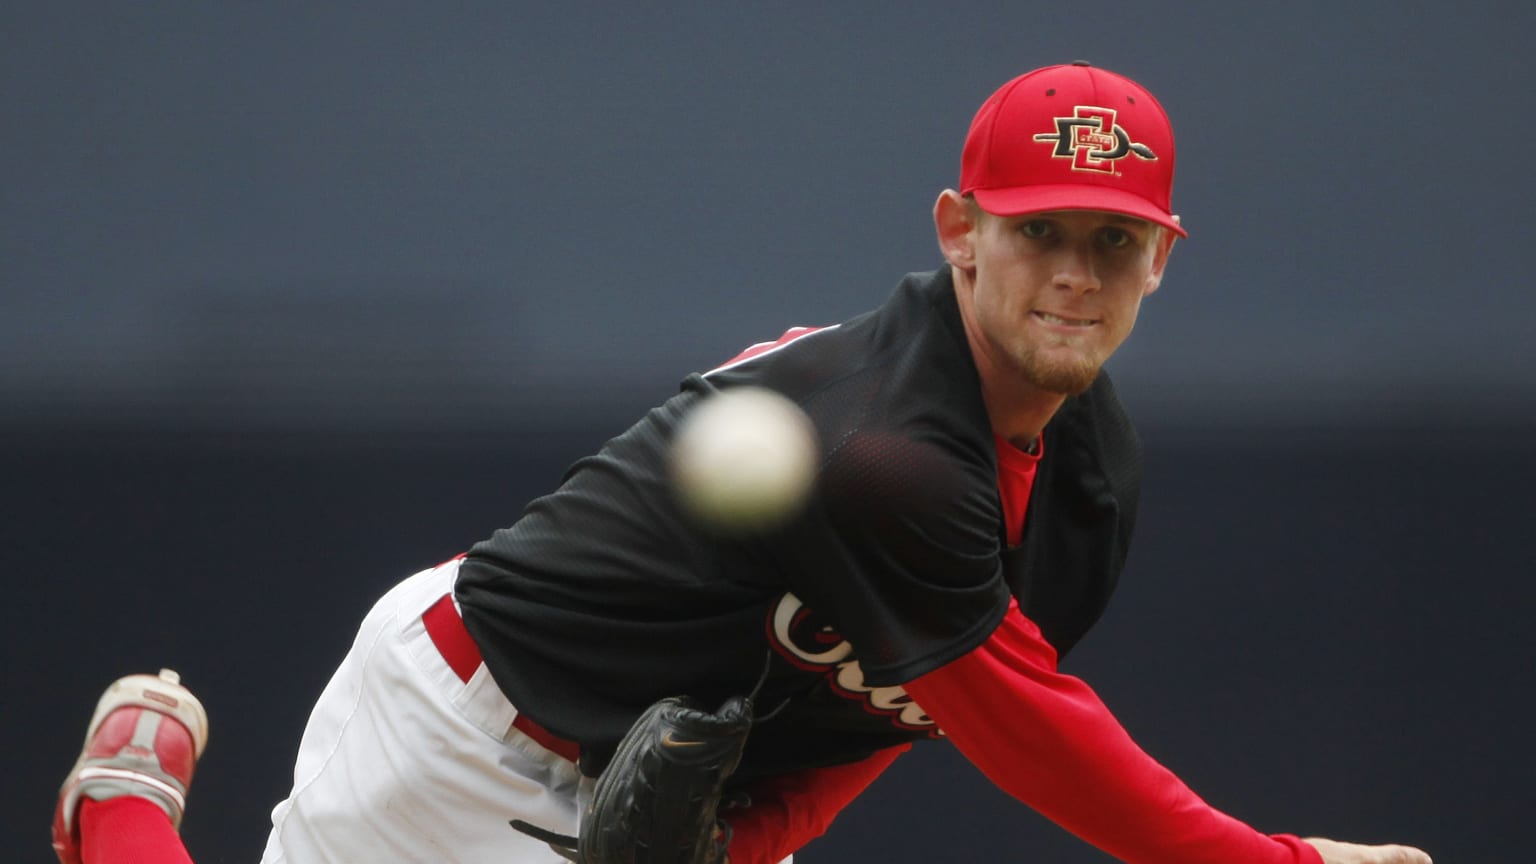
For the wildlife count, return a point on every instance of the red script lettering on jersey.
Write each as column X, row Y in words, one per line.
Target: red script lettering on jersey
column 802, row 638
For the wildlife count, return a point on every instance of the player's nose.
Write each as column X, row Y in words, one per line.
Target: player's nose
column 1075, row 271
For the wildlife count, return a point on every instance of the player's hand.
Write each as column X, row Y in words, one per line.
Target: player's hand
column 1334, row 852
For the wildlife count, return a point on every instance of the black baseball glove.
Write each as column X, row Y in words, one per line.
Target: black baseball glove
column 656, row 801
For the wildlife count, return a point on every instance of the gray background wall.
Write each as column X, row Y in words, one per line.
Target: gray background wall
column 297, row 298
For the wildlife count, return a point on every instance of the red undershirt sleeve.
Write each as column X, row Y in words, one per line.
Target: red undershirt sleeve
column 1048, row 740
column 790, row 810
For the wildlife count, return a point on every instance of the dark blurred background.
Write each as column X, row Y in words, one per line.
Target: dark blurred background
column 298, row 298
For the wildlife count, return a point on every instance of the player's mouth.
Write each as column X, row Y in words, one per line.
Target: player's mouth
column 1063, row 321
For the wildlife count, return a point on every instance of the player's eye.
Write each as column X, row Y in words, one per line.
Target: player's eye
column 1036, row 229
column 1116, row 238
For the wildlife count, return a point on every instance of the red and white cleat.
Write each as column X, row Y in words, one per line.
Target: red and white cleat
column 144, row 739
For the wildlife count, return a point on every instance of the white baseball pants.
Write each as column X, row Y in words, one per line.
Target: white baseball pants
column 404, row 762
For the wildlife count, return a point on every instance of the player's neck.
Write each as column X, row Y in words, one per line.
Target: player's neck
column 1018, row 410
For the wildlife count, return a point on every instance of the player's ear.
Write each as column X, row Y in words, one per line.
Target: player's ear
column 954, row 220
column 1165, row 241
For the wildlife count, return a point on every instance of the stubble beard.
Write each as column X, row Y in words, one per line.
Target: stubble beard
column 1068, row 378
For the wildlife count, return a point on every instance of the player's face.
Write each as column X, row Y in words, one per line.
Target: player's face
column 1052, row 295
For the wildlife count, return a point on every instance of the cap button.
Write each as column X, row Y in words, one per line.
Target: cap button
column 1081, row 63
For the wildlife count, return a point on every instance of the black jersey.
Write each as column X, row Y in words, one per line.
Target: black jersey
column 604, row 597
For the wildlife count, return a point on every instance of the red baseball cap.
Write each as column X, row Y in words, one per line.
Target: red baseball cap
column 1071, row 137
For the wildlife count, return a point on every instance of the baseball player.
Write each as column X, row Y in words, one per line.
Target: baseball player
column 971, row 514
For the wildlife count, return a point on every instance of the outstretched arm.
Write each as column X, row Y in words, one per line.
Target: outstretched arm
column 1048, row 740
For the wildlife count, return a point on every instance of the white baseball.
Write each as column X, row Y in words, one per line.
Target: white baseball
column 744, row 459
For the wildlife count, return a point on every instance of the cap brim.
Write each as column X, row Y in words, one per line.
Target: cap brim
column 1023, row 200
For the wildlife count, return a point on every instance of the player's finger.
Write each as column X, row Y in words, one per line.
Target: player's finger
column 1407, row 855
column 1335, row 852
column 1394, row 854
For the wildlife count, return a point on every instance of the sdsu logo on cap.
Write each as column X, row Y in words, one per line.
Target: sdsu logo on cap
column 1071, row 137
column 1093, row 140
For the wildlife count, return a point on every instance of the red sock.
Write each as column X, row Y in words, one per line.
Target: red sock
column 128, row 830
